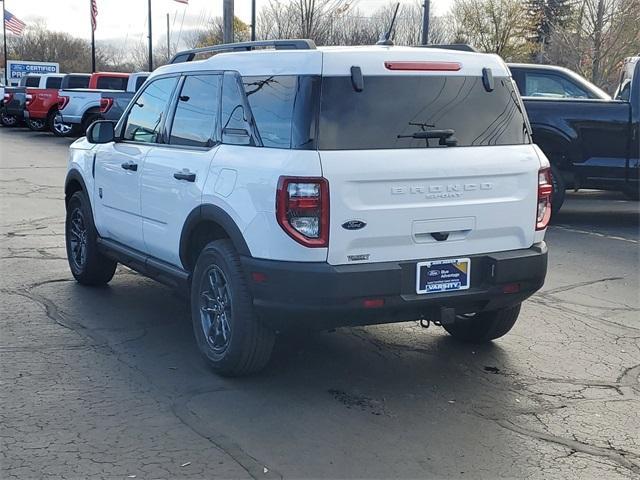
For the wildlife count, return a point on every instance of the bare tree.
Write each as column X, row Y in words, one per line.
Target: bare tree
column 494, row 26
column 600, row 35
column 40, row 44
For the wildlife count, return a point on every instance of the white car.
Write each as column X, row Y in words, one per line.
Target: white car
column 317, row 187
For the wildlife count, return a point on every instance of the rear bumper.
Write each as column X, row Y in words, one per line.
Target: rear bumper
column 325, row 296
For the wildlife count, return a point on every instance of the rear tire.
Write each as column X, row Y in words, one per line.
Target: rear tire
column 228, row 333
column 61, row 129
column 37, row 125
column 484, row 326
column 87, row 121
column 87, row 264
column 559, row 189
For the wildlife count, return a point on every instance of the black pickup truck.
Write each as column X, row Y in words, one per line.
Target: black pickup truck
column 591, row 140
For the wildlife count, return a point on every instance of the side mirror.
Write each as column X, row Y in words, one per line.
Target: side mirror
column 101, row 131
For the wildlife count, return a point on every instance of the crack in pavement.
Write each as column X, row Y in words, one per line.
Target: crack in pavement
column 190, row 419
column 620, row 457
column 579, row 284
column 179, row 409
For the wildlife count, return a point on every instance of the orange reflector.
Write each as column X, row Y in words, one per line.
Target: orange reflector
column 424, row 66
column 373, row 303
column 511, row 288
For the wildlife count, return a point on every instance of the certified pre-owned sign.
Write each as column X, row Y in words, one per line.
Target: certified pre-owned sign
column 19, row 68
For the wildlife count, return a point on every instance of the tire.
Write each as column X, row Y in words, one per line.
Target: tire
column 87, row 264
column 8, row 120
column 228, row 333
column 61, row 129
column 87, row 121
column 37, row 125
column 559, row 189
column 484, row 326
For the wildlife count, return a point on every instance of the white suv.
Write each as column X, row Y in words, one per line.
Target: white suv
column 317, row 187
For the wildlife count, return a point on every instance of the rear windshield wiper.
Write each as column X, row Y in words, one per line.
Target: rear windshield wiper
column 446, row 136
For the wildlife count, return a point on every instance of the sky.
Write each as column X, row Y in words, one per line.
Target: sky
column 126, row 20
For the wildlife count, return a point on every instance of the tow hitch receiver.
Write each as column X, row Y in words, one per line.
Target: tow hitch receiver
column 447, row 316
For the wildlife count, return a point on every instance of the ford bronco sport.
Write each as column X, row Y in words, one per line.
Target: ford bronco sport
column 317, row 187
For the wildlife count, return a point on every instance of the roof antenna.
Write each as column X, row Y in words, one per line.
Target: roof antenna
column 385, row 37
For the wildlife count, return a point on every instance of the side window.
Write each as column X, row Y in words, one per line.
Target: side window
column 139, row 82
column 32, row 82
column 53, row 82
column 145, row 117
column 112, row 83
column 552, row 86
column 196, row 119
column 78, row 81
column 272, row 101
column 236, row 119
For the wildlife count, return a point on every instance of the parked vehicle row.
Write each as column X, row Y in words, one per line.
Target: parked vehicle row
column 64, row 104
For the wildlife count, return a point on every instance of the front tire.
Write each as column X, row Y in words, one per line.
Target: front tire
column 87, row 264
column 8, row 120
column 228, row 333
column 484, row 326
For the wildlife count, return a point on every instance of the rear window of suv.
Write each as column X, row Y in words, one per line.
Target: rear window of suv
column 394, row 112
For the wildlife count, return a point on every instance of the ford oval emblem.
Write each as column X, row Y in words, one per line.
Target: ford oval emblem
column 353, row 225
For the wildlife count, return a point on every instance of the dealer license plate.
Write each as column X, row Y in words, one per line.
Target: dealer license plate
column 438, row 276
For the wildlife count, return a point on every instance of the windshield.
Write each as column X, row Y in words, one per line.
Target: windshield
column 419, row 112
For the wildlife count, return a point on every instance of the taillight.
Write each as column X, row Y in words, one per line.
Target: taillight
column 105, row 104
column 8, row 97
column 302, row 209
column 62, row 102
column 545, row 192
column 29, row 98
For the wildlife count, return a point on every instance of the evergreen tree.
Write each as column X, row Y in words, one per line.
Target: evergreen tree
column 545, row 15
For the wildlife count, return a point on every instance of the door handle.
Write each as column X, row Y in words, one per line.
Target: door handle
column 130, row 166
column 185, row 175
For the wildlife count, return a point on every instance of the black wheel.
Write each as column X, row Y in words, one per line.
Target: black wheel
column 88, row 265
column 37, row 125
column 8, row 120
column 59, row 128
column 484, row 326
column 88, row 120
column 559, row 189
column 228, row 333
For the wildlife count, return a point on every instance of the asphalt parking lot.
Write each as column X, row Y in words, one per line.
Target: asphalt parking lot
column 107, row 382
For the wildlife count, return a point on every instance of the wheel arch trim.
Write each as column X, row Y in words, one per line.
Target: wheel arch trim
column 210, row 213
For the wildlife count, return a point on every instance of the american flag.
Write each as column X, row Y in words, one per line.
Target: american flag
column 94, row 15
column 13, row 23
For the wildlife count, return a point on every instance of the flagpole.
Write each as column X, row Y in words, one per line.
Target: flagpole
column 93, row 38
column 4, row 36
column 150, row 41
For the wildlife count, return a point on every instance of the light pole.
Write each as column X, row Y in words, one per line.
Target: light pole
column 425, row 23
column 227, row 21
column 150, row 41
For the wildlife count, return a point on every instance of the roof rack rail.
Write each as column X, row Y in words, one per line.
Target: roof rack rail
column 452, row 46
column 295, row 44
